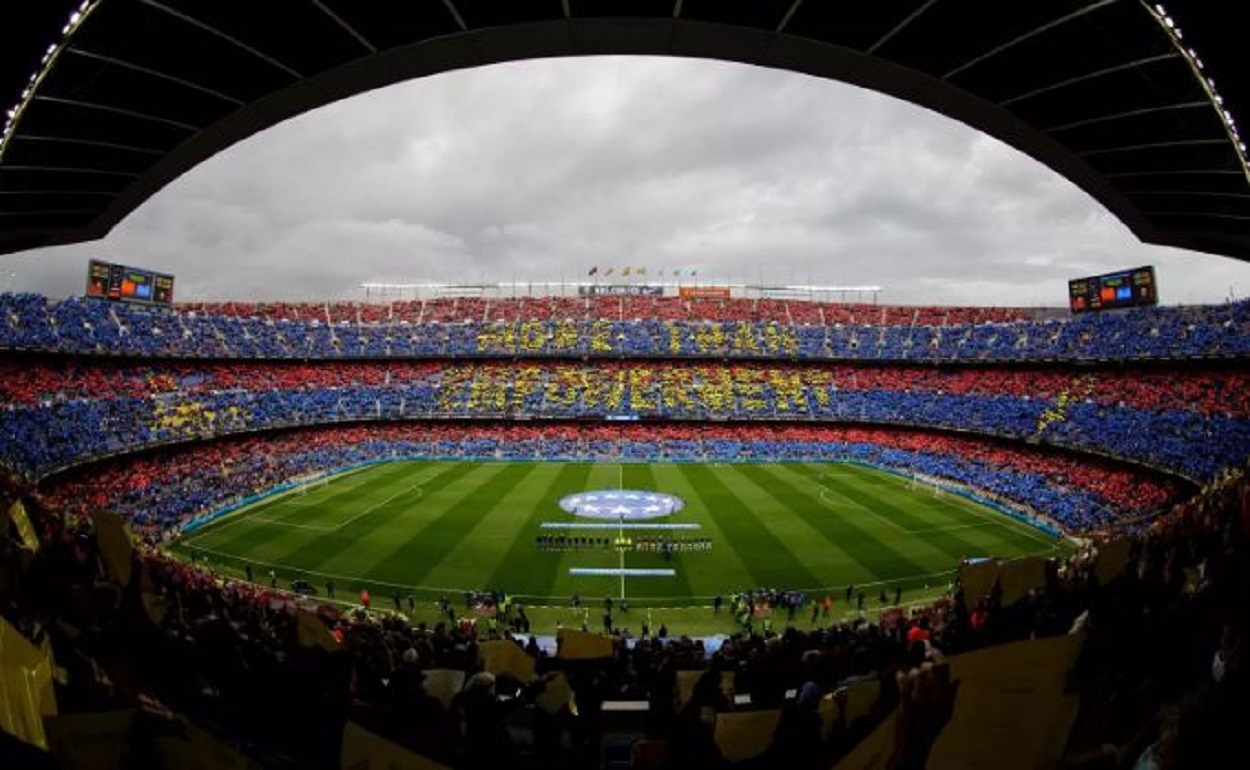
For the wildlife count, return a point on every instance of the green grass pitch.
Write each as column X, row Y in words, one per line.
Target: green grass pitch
column 432, row 528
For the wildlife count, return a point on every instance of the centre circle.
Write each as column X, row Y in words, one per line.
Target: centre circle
column 621, row 504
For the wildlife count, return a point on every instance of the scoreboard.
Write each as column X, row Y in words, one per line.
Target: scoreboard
column 1126, row 288
column 129, row 284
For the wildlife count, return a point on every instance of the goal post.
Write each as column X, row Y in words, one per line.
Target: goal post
column 311, row 484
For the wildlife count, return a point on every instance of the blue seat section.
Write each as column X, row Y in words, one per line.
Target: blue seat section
column 32, row 322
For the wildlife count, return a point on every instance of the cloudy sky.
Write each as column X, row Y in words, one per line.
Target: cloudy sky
column 540, row 170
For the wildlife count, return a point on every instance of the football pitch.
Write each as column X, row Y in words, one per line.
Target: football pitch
column 433, row 529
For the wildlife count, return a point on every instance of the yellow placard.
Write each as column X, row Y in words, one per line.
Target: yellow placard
column 582, row 645
column 25, row 530
column 500, row 656
column 116, row 545
column 92, row 741
column 1019, row 576
column 1009, row 698
column 190, row 748
column 443, row 684
column 686, row 680
column 1111, row 560
column 556, row 695
column 744, row 735
column 362, row 750
column 26, row 693
column 860, row 698
column 977, row 580
column 874, row 752
column 311, row 632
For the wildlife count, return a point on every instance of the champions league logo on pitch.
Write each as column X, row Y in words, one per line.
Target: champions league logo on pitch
column 621, row 505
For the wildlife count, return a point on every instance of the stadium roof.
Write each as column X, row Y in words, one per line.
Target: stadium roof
column 1134, row 103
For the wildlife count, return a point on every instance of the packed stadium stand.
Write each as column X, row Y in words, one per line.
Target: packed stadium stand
column 671, row 326
column 1099, row 426
column 1122, row 435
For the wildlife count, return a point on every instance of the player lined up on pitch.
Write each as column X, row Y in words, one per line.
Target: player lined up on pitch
column 571, row 543
column 662, row 545
column 667, row 545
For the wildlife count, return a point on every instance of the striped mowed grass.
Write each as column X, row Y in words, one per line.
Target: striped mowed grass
column 442, row 528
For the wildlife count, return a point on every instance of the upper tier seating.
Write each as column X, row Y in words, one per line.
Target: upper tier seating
column 619, row 326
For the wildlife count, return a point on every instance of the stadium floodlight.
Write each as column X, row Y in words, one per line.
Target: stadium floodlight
column 1190, row 55
column 49, row 59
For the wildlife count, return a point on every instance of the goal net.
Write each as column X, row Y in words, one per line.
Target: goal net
column 307, row 485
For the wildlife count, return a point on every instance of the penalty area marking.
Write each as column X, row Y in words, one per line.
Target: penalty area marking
column 313, row 527
column 292, row 496
column 243, row 515
column 824, row 498
column 967, row 506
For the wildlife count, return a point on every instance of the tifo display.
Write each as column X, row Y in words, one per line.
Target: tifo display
column 591, row 473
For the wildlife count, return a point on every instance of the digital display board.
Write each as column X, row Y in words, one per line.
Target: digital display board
column 620, row 289
column 703, row 292
column 128, row 284
column 1125, row 288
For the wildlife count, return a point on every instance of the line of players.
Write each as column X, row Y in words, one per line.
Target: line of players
column 661, row 545
column 667, row 545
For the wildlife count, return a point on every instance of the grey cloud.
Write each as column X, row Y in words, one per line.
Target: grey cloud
column 540, row 169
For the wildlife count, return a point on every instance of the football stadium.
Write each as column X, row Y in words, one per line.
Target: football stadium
column 633, row 519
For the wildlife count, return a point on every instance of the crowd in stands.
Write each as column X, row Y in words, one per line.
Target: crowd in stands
column 667, row 327
column 641, row 386
column 1189, row 420
column 162, row 490
column 610, row 308
column 1160, row 678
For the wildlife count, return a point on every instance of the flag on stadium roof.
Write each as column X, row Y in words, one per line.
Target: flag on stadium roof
column 608, row 271
column 594, row 270
column 625, row 270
